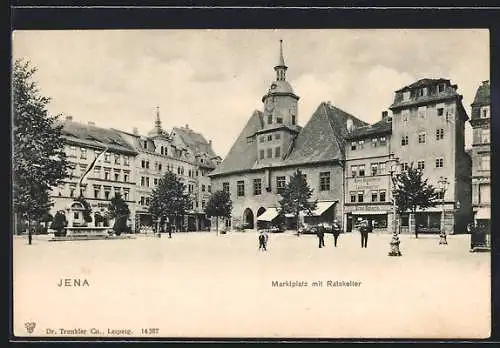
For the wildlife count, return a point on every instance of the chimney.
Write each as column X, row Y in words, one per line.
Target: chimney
column 91, row 123
column 187, row 126
column 485, row 82
column 69, row 118
column 210, row 142
column 135, row 131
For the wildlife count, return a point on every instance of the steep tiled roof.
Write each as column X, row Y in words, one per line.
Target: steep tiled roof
column 381, row 127
column 242, row 155
column 322, row 138
column 423, row 83
column 482, row 95
column 91, row 135
column 198, row 144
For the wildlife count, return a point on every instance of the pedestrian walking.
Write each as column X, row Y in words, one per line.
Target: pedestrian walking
column 364, row 229
column 321, row 235
column 263, row 237
column 336, row 229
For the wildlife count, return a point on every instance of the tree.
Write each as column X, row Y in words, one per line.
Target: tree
column 412, row 192
column 118, row 210
column 296, row 197
column 87, row 213
column 39, row 161
column 58, row 224
column 169, row 197
column 219, row 205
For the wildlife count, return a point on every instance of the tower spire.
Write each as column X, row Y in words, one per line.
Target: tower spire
column 158, row 121
column 281, row 67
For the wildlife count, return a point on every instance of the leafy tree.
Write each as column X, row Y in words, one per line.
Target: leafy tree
column 169, row 197
column 58, row 224
column 39, row 161
column 296, row 197
column 412, row 192
column 87, row 212
column 219, row 205
column 118, row 210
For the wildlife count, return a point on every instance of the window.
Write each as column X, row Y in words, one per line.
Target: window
column 107, row 157
column 374, row 142
column 439, row 134
column 225, row 186
column 145, row 144
column 270, row 137
column 147, row 200
column 97, row 192
column 404, row 115
column 125, row 160
column 155, row 181
column 293, row 119
column 270, row 119
column 117, row 191
column 72, row 151
column 485, row 112
column 159, row 167
column 441, row 87
column 143, row 181
column 277, row 152
column 97, row 171
column 261, row 154
column 485, row 162
column 209, row 188
column 381, row 168
column 240, row 188
column 280, row 183
column 485, row 136
column 374, row 196
column 374, row 167
column 421, row 138
column 383, row 140
column 440, row 194
column 406, row 95
column 203, row 204
column 360, row 144
column 257, row 186
column 277, row 136
column 147, row 181
column 143, row 164
column 361, row 170
column 440, row 111
column 404, row 140
column 72, row 191
column 147, row 164
column 421, row 165
column 269, row 153
column 83, row 153
column 421, row 111
column 279, row 120
column 382, row 195
column 106, row 194
column 360, row 196
column 354, row 171
column 353, row 197
column 106, row 175
column 484, row 193
column 202, row 188
column 324, row 181
column 439, row 162
column 262, row 139
column 404, row 166
column 142, row 200
column 117, row 177
column 353, row 145
column 117, row 159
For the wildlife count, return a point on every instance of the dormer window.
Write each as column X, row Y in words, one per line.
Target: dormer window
column 485, row 112
column 293, row 120
column 145, row 144
column 406, row 95
column 441, row 87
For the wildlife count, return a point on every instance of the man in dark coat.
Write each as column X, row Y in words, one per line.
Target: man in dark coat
column 321, row 235
column 336, row 231
column 364, row 229
column 263, row 237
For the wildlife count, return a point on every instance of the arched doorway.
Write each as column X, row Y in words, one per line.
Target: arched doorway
column 248, row 219
column 260, row 224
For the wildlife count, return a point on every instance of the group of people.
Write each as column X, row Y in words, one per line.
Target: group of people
column 365, row 227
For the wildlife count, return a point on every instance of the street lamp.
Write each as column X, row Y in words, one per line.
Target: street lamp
column 443, row 185
column 393, row 170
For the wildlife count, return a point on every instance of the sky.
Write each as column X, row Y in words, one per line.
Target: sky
column 213, row 80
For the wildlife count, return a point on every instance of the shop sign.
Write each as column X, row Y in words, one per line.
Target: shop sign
column 366, row 183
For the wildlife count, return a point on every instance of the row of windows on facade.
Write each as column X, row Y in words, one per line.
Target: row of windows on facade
column 107, row 156
column 324, row 184
column 379, row 168
column 145, row 182
column 422, row 137
column 164, row 150
column 117, row 173
column 279, row 119
column 376, row 196
column 269, row 137
column 423, row 111
column 145, row 201
column 424, row 91
column 98, row 193
column 376, row 141
column 277, row 153
column 171, row 168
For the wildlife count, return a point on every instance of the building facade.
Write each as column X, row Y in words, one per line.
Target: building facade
column 112, row 173
column 160, row 151
column 481, row 152
column 272, row 146
column 428, row 125
column 368, row 190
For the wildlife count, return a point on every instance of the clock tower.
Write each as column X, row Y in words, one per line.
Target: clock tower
column 280, row 116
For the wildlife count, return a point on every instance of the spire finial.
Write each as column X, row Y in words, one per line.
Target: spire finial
column 158, row 121
column 282, row 60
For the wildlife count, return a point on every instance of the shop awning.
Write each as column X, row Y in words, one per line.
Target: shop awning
column 321, row 207
column 368, row 212
column 483, row 213
column 269, row 215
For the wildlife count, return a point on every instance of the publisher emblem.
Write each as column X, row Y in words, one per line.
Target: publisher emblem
column 30, row 326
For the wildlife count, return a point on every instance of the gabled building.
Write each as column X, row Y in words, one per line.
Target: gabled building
column 428, row 125
column 112, row 173
column 272, row 146
column 481, row 152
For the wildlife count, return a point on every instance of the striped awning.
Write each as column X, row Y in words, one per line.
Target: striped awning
column 269, row 215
